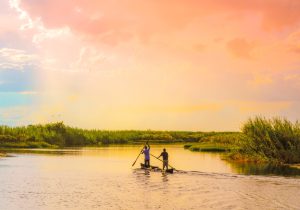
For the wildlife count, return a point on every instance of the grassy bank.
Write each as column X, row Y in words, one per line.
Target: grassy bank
column 261, row 140
column 218, row 142
column 58, row 135
column 205, row 147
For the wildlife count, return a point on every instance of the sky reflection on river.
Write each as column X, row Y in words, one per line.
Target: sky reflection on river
column 103, row 178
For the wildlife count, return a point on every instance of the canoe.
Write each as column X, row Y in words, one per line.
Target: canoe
column 156, row 168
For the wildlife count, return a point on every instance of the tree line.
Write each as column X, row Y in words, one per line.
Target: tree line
column 60, row 135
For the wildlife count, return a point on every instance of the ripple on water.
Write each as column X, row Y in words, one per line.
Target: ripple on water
column 72, row 182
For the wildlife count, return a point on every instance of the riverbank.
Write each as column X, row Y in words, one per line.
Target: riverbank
column 275, row 140
column 207, row 147
column 225, row 143
column 61, row 135
column 44, row 145
column 260, row 140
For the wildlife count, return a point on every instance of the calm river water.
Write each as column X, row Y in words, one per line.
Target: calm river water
column 102, row 178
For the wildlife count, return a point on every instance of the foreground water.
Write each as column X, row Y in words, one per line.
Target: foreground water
column 103, row 178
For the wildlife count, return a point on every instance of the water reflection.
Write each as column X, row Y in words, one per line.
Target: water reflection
column 44, row 151
column 119, row 158
column 265, row 169
column 164, row 177
column 102, row 178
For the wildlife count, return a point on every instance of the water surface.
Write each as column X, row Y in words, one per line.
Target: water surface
column 102, row 178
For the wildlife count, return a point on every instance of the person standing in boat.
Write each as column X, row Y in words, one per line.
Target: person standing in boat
column 146, row 152
column 165, row 156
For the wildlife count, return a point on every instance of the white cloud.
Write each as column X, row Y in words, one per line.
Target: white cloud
column 41, row 32
column 16, row 59
column 23, row 15
column 69, row 53
column 49, row 33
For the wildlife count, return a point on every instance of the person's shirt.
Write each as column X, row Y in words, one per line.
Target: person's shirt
column 165, row 155
column 147, row 153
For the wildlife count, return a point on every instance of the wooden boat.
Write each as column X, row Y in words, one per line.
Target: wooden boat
column 156, row 168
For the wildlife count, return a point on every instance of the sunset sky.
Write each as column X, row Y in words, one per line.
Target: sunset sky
column 149, row 64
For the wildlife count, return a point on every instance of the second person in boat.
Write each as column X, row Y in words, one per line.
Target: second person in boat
column 165, row 156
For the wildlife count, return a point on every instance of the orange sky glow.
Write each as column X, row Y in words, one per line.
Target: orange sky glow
column 141, row 64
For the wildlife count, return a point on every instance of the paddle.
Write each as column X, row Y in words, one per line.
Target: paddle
column 138, row 155
column 162, row 161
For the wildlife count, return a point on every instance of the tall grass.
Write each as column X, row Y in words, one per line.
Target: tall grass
column 273, row 139
column 60, row 135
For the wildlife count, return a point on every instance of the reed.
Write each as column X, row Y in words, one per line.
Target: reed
column 60, row 135
column 275, row 139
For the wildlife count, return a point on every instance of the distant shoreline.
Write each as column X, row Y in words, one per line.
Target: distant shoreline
column 274, row 140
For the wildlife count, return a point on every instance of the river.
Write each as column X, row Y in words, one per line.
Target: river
column 102, row 178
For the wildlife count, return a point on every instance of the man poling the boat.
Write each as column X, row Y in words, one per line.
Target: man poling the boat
column 165, row 156
column 146, row 152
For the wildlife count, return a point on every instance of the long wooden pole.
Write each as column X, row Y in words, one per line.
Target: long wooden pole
column 138, row 156
column 162, row 161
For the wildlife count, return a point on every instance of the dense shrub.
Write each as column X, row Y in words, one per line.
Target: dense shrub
column 272, row 139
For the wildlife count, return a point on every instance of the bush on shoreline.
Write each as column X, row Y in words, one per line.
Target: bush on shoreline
column 273, row 139
column 262, row 140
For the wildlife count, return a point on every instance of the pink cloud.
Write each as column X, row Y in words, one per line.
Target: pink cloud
column 115, row 21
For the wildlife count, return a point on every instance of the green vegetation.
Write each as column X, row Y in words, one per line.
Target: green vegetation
column 209, row 148
column 262, row 140
column 217, row 142
column 272, row 140
column 58, row 135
